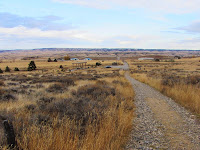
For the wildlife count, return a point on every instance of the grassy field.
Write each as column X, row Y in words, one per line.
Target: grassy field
column 85, row 109
column 42, row 64
column 178, row 79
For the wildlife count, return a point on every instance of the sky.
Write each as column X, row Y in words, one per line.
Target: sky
column 149, row 24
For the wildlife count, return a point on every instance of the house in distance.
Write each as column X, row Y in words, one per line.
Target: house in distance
column 74, row 59
column 87, row 59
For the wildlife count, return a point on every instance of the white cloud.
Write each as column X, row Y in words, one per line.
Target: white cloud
column 23, row 32
column 167, row 6
column 22, row 37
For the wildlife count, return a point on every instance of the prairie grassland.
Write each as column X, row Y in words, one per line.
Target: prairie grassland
column 179, row 80
column 42, row 65
column 80, row 111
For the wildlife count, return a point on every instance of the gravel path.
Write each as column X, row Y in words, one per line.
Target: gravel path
column 160, row 123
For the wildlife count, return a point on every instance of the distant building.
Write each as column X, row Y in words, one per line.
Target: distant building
column 87, row 59
column 74, row 59
column 145, row 58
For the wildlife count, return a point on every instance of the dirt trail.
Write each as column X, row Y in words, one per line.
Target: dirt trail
column 160, row 122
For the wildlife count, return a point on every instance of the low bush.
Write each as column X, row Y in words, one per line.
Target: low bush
column 1, row 83
column 16, row 69
column 97, row 92
column 57, row 88
column 5, row 97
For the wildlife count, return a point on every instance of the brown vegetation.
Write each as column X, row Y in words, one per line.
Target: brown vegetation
column 68, row 112
column 178, row 80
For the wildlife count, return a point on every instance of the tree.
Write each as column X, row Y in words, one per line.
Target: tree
column 157, row 59
column 32, row 66
column 1, row 71
column 98, row 64
column 7, row 69
column 61, row 67
column 49, row 60
column 55, row 60
column 16, row 69
column 66, row 57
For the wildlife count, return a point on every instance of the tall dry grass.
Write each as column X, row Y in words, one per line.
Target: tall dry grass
column 186, row 95
column 109, row 132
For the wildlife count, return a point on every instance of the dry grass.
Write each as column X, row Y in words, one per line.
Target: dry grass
column 42, row 121
column 186, row 95
column 44, row 65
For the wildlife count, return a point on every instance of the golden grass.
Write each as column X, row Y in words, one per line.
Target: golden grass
column 50, row 67
column 186, row 95
column 110, row 133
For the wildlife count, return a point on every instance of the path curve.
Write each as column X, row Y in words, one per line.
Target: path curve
column 125, row 66
column 161, row 123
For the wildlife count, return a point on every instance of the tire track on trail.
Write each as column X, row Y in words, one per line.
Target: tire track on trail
column 161, row 123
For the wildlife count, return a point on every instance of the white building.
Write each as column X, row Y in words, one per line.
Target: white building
column 145, row 58
column 74, row 59
column 87, row 59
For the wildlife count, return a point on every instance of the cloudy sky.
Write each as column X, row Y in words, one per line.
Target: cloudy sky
column 169, row 24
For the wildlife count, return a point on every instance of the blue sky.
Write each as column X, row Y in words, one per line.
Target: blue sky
column 169, row 24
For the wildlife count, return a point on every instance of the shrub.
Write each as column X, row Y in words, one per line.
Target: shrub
column 30, row 107
column 95, row 92
column 193, row 79
column 49, row 60
column 7, row 69
column 55, row 60
column 1, row 71
column 7, row 97
column 1, row 83
column 61, row 67
column 57, row 87
column 98, row 64
column 32, row 66
column 81, row 110
column 16, row 69
column 1, row 92
column 114, row 63
column 170, row 80
column 45, row 100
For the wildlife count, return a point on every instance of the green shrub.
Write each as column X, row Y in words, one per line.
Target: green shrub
column 32, row 66
column 7, row 69
column 49, row 60
column 16, row 69
column 98, row 64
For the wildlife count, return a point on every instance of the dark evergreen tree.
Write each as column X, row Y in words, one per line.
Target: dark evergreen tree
column 49, row 60
column 16, row 69
column 55, row 60
column 61, row 67
column 32, row 66
column 98, row 64
column 1, row 71
column 7, row 69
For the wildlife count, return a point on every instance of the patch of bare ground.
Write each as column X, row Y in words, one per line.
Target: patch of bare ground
column 172, row 122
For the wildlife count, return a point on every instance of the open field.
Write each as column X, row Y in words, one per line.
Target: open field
column 84, row 109
column 179, row 79
column 44, row 66
column 92, row 107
